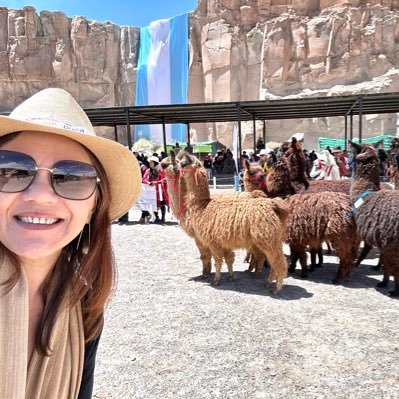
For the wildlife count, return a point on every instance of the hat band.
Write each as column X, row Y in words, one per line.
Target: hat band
column 58, row 125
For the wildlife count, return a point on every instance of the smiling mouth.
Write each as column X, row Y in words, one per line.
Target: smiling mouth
column 35, row 220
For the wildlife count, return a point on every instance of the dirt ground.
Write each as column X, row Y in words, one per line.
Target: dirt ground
column 170, row 334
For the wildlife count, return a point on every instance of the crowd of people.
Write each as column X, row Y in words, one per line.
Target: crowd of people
column 330, row 163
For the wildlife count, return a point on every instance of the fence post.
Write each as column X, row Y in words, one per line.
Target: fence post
column 214, row 184
column 236, row 183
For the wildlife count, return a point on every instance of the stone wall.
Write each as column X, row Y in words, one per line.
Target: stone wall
column 239, row 50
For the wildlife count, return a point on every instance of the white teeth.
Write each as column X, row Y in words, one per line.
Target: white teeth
column 28, row 219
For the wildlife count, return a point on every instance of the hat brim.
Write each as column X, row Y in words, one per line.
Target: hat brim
column 120, row 165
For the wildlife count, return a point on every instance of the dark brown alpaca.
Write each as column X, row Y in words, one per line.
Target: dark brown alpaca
column 297, row 162
column 376, row 211
column 314, row 218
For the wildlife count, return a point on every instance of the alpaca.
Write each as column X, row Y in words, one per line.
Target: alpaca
column 315, row 217
column 376, row 211
column 234, row 222
column 177, row 193
column 325, row 167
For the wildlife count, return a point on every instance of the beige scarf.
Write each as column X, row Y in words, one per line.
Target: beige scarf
column 58, row 376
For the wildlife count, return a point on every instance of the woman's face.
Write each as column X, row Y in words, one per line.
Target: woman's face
column 67, row 217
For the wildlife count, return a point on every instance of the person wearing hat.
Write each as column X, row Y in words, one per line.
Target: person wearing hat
column 263, row 158
column 341, row 160
column 61, row 186
column 155, row 176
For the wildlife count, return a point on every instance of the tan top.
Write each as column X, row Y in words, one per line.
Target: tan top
column 58, row 376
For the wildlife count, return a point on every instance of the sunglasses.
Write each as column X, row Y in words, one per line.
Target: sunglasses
column 71, row 180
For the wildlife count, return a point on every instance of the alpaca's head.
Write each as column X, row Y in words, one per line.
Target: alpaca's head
column 169, row 165
column 364, row 153
column 190, row 166
column 254, row 178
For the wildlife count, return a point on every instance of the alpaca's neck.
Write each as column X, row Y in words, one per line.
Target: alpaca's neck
column 367, row 178
column 177, row 195
column 197, row 190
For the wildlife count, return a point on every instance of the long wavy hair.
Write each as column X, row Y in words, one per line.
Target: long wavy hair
column 84, row 271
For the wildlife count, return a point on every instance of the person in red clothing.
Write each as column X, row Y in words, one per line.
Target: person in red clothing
column 154, row 175
column 341, row 161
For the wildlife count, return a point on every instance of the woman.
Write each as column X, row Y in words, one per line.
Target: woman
column 60, row 188
column 155, row 176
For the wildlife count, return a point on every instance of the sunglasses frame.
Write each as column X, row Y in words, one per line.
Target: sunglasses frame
column 51, row 170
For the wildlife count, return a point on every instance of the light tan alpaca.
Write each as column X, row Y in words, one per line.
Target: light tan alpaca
column 234, row 222
column 177, row 197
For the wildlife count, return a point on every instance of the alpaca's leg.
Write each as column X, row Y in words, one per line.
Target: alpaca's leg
column 313, row 254
column 379, row 265
column 278, row 265
column 395, row 292
column 218, row 266
column 229, row 258
column 363, row 254
column 329, row 248
column 206, row 259
column 248, row 257
column 303, row 261
column 293, row 259
column 346, row 260
column 385, row 280
column 320, row 256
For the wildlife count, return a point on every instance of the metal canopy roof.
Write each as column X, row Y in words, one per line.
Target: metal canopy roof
column 247, row 110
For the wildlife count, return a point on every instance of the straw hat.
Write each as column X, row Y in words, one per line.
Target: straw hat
column 56, row 111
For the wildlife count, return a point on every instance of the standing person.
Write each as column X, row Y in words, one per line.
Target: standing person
column 176, row 148
column 341, row 161
column 208, row 164
column 154, row 176
column 61, row 187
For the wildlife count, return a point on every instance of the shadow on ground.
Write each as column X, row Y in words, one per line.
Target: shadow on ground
column 243, row 282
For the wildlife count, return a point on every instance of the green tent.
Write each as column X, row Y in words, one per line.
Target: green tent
column 324, row 141
column 207, row 147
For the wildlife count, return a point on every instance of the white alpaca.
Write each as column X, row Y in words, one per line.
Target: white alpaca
column 325, row 167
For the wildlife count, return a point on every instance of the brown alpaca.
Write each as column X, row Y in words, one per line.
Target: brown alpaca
column 315, row 217
column 177, row 194
column 228, row 223
column 297, row 162
column 376, row 211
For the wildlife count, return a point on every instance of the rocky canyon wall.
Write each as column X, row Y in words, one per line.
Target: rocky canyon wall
column 239, row 50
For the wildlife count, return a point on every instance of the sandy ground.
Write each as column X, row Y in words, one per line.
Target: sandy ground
column 170, row 334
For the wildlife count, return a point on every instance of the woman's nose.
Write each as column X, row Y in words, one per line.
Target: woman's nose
column 41, row 190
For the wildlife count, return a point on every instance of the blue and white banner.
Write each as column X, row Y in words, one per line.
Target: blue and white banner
column 162, row 73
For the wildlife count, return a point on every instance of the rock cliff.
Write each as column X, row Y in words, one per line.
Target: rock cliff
column 239, row 50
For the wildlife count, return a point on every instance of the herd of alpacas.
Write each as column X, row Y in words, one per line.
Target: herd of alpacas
column 290, row 209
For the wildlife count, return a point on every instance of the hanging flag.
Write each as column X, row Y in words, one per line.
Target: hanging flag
column 162, row 73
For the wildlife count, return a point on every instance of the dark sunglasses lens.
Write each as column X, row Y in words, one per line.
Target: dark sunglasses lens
column 74, row 180
column 17, row 171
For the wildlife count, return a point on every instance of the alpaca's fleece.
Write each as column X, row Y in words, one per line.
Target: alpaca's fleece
column 318, row 186
column 278, row 180
column 378, row 218
column 235, row 222
column 319, row 217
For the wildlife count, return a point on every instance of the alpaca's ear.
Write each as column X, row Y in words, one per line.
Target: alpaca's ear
column 173, row 156
column 189, row 158
column 246, row 164
column 377, row 144
column 356, row 147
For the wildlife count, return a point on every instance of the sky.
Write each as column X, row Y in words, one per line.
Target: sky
column 137, row 13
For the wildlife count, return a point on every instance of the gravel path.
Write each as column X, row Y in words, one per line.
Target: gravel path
column 169, row 334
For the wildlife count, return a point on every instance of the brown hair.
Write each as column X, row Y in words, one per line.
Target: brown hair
column 85, row 270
